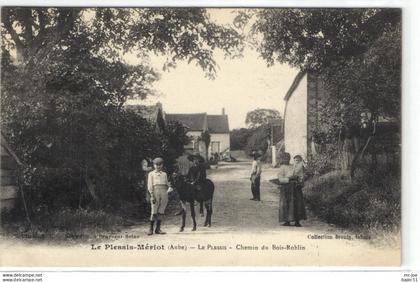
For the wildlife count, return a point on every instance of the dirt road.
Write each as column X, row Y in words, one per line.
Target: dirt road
column 244, row 233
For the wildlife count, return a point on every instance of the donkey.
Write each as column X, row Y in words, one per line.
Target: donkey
column 189, row 193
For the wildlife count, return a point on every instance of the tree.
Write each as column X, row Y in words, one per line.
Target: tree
column 316, row 38
column 260, row 123
column 259, row 140
column 259, row 117
column 369, row 86
column 356, row 52
column 205, row 138
column 239, row 138
column 173, row 139
column 181, row 34
column 62, row 101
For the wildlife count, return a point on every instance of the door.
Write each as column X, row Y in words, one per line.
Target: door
column 215, row 147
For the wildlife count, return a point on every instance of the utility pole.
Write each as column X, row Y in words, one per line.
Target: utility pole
column 273, row 146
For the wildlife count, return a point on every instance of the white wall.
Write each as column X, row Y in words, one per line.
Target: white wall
column 194, row 135
column 295, row 128
column 223, row 138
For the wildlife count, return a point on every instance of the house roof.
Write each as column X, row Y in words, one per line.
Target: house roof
column 218, row 123
column 294, row 85
column 194, row 122
column 148, row 112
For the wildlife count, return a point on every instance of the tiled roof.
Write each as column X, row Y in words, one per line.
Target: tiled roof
column 218, row 123
column 148, row 112
column 194, row 122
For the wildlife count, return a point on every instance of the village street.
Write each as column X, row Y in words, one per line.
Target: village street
column 93, row 98
column 240, row 228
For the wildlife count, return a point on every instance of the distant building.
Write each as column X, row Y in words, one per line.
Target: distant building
column 148, row 112
column 219, row 131
column 302, row 116
column 196, row 123
column 296, row 120
column 303, row 106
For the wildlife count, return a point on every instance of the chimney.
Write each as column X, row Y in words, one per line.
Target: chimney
column 223, row 111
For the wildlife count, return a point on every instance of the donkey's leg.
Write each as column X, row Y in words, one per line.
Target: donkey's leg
column 210, row 211
column 184, row 215
column 201, row 209
column 206, row 204
column 193, row 215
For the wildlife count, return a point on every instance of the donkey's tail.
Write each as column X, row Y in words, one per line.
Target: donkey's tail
column 210, row 186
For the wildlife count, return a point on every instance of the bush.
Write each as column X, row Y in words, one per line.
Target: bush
column 239, row 138
column 72, row 132
column 323, row 162
column 254, row 139
column 107, row 153
column 370, row 200
column 258, row 140
column 69, row 219
column 66, row 225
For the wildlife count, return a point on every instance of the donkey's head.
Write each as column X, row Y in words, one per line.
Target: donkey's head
column 178, row 180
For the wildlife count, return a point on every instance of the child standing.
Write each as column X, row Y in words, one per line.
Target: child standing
column 298, row 168
column 255, row 178
column 159, row 187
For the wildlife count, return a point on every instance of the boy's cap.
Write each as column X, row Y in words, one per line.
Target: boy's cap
column 158, row 161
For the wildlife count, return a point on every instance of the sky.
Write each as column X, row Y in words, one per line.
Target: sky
column 241, row 85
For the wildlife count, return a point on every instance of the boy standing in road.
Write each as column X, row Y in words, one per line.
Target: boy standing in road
column 256, row 176
column 159, row 187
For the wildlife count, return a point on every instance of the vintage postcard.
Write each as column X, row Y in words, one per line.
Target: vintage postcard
column 200, row 136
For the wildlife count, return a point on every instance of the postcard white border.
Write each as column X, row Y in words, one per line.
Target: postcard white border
column 410, row 132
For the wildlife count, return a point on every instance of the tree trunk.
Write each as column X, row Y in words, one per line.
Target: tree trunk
column 374, row 157
column 91, row 188
column 80, row 190
column 362, row 150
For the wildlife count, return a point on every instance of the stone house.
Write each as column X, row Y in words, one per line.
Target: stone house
column 197, row 123
column 302, row 116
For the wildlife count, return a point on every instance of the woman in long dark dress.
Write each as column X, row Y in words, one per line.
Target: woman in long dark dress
column 291, row 204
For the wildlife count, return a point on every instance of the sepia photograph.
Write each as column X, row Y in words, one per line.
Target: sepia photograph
column 194, row 136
